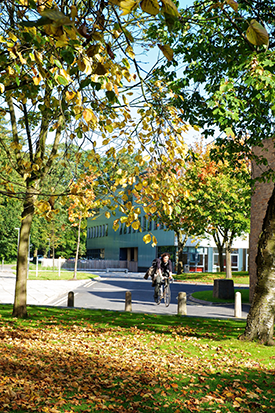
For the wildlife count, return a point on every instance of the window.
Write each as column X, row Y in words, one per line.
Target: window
column 96, row 254
column 106, row 230
column 103, row 230
column 155, row 224
column 149, row 225
column 88, row 232
column 143, row 223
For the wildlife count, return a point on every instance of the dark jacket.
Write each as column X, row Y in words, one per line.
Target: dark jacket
column 165, row 268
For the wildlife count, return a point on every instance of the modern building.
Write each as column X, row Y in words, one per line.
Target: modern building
column 125, row 247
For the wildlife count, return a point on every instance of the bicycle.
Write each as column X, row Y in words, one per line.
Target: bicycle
column 164, row 292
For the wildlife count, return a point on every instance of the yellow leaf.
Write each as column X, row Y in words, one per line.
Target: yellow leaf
column 70, row 95
column 232, row 4
column 123, row 219
column 89, row 115
column 2, row 88
column 147, row 238
column 130, row 52
column 127, row 6
column 107, row 214
column 257, row 34
column 135, row 225
column 150, row 6
column 109, row 86
column 154, row 241
column 12, row 37
column 153, row 209
column 167, row 51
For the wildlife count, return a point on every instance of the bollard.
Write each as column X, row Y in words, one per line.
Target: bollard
column 71, row 299
column 128, row 301
column 182, row 309
column 238, row 305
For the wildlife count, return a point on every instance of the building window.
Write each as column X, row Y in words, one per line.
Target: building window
column 106, row 230
column 155, row 224
column 143, row 223
column 149, row 225
column 99, row 234
column 96, row 254
column 103, row 230
column 129, row 229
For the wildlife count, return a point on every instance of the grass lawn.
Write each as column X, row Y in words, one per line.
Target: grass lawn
column 64, row 275
column 79, row 360
column 49, row 274
column 208, row 296
column 239, row 277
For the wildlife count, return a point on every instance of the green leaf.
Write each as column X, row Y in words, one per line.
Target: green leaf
column 62, row 80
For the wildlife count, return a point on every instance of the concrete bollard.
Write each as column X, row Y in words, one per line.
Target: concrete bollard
column 182, row 309
column 238, row 305
column 128, row 301
column 71, row 299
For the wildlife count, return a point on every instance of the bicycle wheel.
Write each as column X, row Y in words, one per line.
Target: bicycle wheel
column 167, row 295
column 158, row 295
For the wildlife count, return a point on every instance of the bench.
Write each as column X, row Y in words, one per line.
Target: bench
column 117, row 269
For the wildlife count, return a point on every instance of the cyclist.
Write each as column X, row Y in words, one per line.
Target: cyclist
column 164, row 269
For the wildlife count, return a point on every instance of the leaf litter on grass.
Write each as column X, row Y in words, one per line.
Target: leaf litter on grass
column 52, row 367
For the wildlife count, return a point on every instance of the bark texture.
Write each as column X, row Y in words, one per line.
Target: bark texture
column 260, row 320
column 20, row 299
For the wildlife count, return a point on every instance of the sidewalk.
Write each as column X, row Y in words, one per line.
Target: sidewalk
column 55, row 293
column 39, row 292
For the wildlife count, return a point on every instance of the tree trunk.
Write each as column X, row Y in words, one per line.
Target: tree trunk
column 220, row 251
column 181, row 245
column 20, row 299
column 219, row 246
column 228, row 260
column 260, row 320
column 77, row 250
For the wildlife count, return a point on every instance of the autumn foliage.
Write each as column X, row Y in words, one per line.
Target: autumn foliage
column 83, row 361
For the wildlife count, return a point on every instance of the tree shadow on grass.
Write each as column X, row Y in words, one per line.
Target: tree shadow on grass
column 84, row 369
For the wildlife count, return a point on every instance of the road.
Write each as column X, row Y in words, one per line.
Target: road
column 109, row 293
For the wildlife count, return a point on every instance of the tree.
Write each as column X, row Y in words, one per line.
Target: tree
column 222, row 195
column 81, row 208
column 62, row 69
column 226, row 52
column 210, row 198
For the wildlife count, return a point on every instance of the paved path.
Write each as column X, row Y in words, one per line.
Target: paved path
column 109, row 293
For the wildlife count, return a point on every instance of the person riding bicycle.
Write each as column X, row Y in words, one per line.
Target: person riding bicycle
column 164, row 269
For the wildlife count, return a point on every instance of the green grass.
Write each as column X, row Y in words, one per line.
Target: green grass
column 239, row 277
column 208, row 296
column 64, row 275
column 80, row 360
column 47, row 273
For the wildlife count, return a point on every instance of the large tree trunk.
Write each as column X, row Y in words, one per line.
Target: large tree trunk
column 260, row 320
column 20, row 299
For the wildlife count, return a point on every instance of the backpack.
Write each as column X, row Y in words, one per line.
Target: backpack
column 151, row 270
